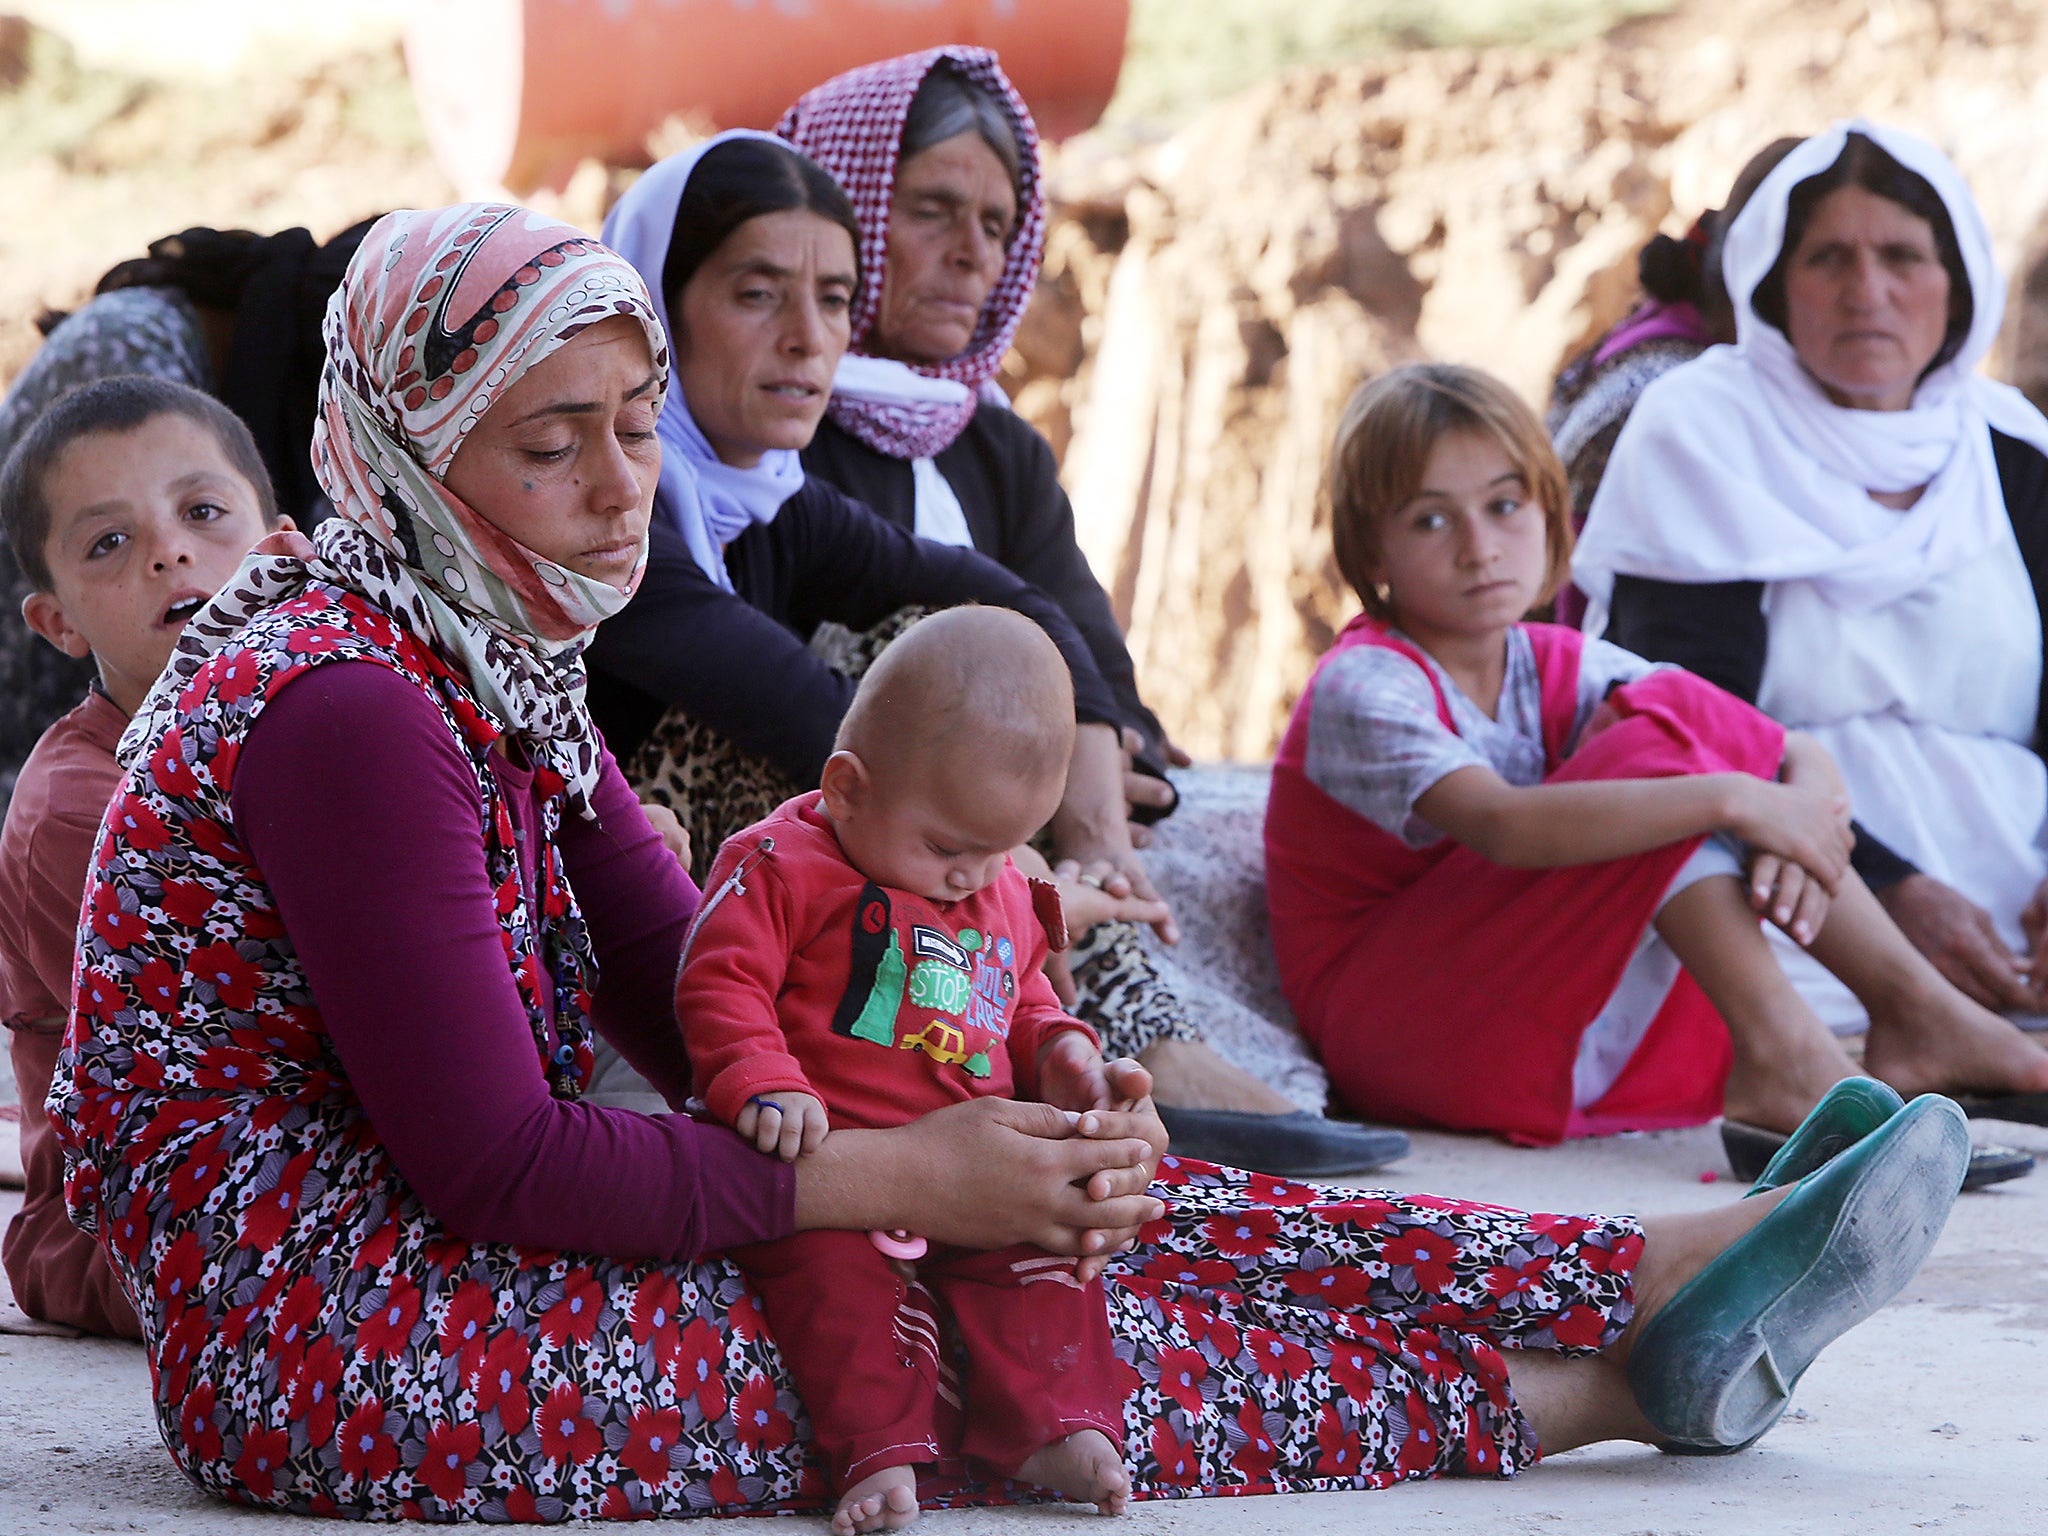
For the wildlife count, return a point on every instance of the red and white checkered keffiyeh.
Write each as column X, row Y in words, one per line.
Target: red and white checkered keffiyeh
column 853, row 126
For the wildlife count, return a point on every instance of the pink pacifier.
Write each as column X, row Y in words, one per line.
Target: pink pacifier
column 899, row 1244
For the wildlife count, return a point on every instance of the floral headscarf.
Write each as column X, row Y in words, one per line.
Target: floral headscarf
column 853, row 126
column 441, row 312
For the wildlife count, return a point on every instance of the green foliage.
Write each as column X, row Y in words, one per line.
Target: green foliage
column 1184, row 54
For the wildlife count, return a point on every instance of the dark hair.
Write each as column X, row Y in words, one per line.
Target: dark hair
column 1669, row 267
column 1713, row 300
column 1687, row 269
column 949, row 104
column 112, row 405
column 1864, row 164
column 740, row 180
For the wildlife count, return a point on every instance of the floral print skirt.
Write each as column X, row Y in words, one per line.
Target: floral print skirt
column 1273, row 1337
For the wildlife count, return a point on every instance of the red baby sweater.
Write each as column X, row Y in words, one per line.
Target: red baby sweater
column 802, row 975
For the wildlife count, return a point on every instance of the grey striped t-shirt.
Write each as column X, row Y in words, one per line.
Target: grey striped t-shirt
column 1376, row 746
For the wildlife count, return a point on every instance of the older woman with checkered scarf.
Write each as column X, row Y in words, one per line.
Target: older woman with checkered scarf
column 940, row 158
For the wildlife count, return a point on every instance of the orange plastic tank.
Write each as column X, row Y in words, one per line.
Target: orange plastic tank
column 514, row 93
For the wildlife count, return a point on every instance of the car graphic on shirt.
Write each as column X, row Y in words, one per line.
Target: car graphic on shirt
column 946, row 1045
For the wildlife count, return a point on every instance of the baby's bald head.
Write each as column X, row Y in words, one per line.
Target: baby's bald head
column 985, row 687
column 954, row 751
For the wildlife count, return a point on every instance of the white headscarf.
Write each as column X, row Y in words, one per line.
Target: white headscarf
column 710, row 501
column 936, row 511
column 1737, row 467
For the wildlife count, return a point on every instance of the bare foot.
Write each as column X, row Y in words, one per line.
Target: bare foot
column 1675, row 1248
column 1948, row 1044
column 1085, row 1467
column 1189, row 1075
column 881, row 1501
column 1777, row 1090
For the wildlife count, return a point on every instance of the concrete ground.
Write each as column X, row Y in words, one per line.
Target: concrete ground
column 1932, row 1417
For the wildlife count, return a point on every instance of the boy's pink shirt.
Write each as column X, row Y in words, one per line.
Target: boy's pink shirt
column 46, row 847
column 53, row 820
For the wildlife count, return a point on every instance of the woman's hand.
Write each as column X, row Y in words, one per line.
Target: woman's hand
column 988, row 1173
column 1141, row 788
column 1104, row 899
column 2034, row 924
column 1961, row 941
column 1091, row 828
column 675, row 837
column 1133, row 1114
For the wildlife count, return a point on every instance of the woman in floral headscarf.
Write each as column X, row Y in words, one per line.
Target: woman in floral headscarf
column 371, row 880
column 307, row 1060
column 940, row 158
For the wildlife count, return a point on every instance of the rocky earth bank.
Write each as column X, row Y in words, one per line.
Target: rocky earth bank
column 1211, row 301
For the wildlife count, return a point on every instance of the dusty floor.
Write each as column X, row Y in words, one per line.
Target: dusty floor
column 1934, row 1416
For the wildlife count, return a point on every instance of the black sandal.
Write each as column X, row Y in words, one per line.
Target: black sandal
column 2020, row 1108
column 1290, row 1146
column 1751, row 1147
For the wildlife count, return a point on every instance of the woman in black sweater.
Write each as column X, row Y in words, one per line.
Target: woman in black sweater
column 705, row 685
column 940, row 159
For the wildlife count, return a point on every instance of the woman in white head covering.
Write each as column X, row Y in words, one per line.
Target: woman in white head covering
column 1839, row 519
column 705, row 686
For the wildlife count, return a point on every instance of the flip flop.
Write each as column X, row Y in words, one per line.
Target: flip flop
column 1845, row 1116
column 2020, row 1108
column 1292, row 1146
column 1846, row 1113
column 1716, row 1367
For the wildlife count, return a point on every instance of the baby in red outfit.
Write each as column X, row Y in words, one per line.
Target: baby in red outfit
column 867, row 954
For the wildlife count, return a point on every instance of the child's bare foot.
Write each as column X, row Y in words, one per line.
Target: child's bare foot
column 1085, row 1467
column 881, row 1501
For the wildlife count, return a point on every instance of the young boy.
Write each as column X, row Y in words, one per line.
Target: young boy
column 869, row 953
column 128, row 504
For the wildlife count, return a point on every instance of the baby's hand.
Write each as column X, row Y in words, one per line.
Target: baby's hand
column 1071, row 1075
column 783, row 1123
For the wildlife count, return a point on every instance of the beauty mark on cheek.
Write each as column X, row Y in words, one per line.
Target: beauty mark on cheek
column 526, row 485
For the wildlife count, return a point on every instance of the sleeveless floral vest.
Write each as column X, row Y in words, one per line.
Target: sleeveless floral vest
column 202, row 1161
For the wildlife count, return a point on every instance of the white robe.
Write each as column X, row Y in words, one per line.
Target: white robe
column 1929, row 706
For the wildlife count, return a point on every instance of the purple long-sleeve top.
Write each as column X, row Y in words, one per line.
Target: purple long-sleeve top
column 362, row 812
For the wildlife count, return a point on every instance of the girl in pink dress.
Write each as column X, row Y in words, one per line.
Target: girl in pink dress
column 1515, row 873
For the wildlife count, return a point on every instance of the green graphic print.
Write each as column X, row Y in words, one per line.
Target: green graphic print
column 877, row 1020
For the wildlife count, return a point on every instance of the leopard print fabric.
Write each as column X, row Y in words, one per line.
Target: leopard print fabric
column 715, row 788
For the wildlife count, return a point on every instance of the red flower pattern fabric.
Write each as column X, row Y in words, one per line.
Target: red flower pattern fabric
column 319, row 1343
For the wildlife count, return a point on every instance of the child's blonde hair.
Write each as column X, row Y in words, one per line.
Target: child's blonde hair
column 1390, row 427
